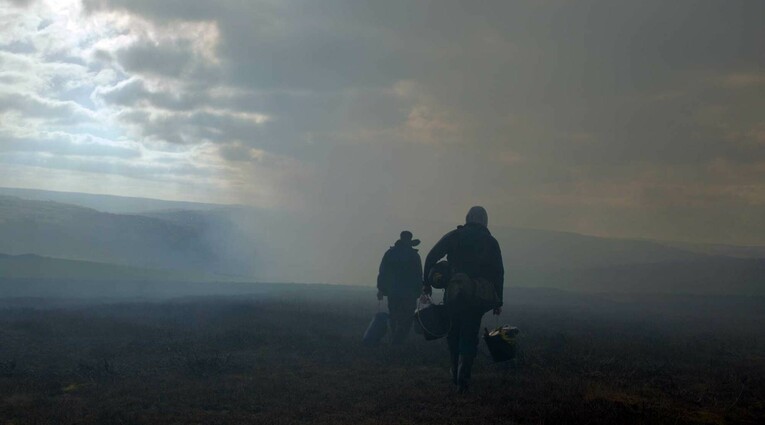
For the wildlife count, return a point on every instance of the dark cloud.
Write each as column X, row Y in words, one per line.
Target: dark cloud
column 133, row 92
column 167, row 60
column 189, row 128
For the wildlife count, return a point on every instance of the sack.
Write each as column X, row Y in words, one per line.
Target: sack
column 459, row 292
column 434, row 320
column 485, row 296
column 376, row 329
column 501, row 342
column 464, row 293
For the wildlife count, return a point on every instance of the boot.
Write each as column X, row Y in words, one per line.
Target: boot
column 455, row 358
column 463, row 373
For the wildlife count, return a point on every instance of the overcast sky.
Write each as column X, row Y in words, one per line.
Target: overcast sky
column 615, row 118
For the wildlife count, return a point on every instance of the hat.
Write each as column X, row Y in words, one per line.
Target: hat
column 477, row 215
column 406, row 237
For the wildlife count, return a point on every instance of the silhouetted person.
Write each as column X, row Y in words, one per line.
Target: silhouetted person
column 472, row 250
column 400, row 279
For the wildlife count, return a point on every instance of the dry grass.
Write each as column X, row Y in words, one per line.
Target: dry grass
column 212, row 361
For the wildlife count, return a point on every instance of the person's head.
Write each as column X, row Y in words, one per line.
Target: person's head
column 477, row 215
column 406, row 238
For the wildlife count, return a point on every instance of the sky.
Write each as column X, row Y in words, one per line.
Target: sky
column 613, row 118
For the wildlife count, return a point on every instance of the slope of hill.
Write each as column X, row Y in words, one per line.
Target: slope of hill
column 30, row 266
column 710, row 276
column 302, row 247
column 546, row 248
column 105, row 203
column 72, row 232
column 720, row 249
column 275, row 246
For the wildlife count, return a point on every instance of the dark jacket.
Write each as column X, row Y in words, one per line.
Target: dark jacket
column 471, row 249
column 400, row 271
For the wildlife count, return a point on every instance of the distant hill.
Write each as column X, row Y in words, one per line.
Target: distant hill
column 546, row 248
column 106, row 203
column 72, row 232
column 30, row 266
column 712, row 275
column 294, row 247
column 720, row 249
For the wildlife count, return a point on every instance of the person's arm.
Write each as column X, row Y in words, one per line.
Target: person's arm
column 419, row 267
column 382, row 277
column 438, row 252
column 499, row 275
column 416, row 269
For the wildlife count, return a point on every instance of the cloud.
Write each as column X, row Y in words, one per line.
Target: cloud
column 591, row 116
column 65, row 144
column 134, row 92
column 21, row 2
column 156, row 170
column 145, row 57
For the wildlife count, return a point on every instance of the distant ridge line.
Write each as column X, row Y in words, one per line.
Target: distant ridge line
column 110, row 203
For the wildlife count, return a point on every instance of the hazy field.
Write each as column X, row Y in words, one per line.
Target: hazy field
column 292, row 354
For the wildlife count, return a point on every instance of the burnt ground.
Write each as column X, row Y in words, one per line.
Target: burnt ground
column 291, row 358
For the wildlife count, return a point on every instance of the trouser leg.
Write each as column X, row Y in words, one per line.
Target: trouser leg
column 392, row 314
column 468, row 347
column 464, row 372
column 407, row 317
column 401, row 313
column 453, row 343
column 470, row 325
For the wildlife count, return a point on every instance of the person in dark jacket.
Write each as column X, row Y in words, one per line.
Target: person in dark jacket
column 472, row 250
column 400, row 279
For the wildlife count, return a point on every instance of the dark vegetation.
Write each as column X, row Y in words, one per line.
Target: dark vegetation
column 292, row 354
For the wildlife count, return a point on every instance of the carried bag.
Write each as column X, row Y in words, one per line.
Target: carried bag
column 463, row 293
column 377, row 328
column 433, row 319
column 485, row 296
column 416, row 326
column 501, row 342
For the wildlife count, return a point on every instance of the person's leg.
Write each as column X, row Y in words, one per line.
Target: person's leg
column 395, row 315
column 402, row 310
column 406, row 317
column 468, row 347
column 392, row 314
column 453, row 342
column 469, row 329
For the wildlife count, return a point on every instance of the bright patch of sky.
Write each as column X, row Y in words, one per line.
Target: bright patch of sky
column 58, row 67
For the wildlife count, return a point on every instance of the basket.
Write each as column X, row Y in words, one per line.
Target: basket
column 501, row 342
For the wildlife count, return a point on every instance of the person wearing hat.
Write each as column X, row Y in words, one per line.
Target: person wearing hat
column 473, row 254
column 400, row 279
